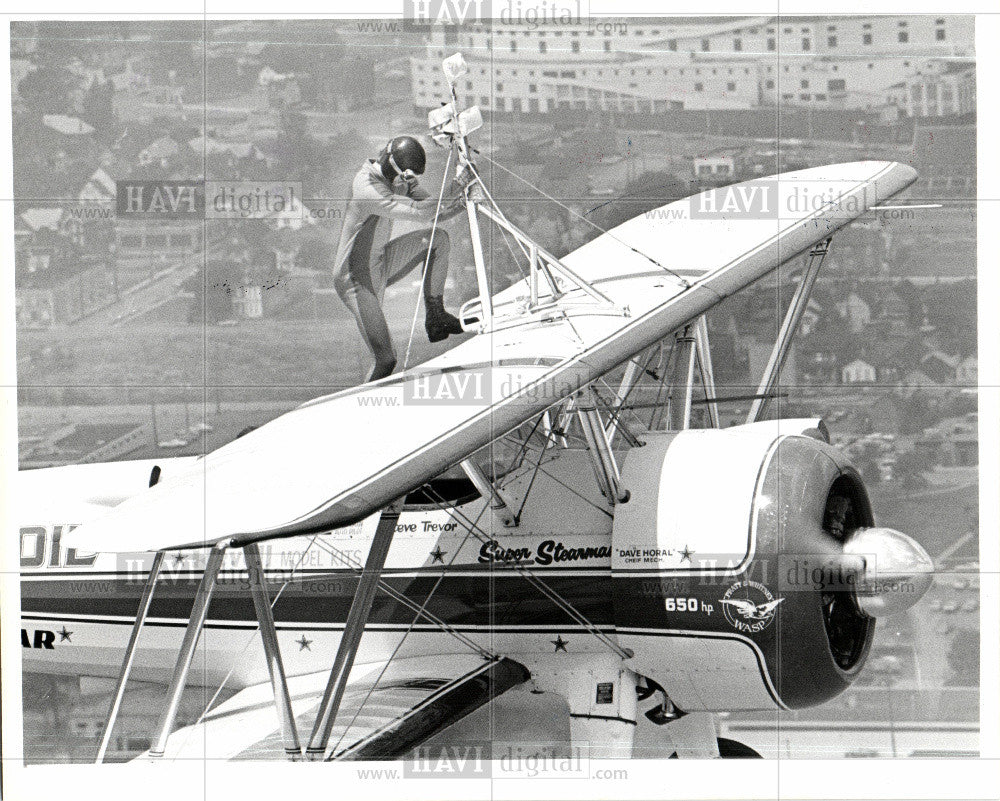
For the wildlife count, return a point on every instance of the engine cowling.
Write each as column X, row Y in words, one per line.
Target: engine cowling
column 732, row 584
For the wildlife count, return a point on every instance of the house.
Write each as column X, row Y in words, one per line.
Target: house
column 70, row 126
column 721, row 164
column 967, row 372
column 291, row 216
column 99, row 188
column 941, row 367
column 37, row 219
column 857, row 372
column 894, row 309
column 855, row 312
column 953, row 442
column 62, row 295
column 158, row 153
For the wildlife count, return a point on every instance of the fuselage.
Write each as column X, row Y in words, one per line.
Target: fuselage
column 78, row 607
column 694, row 581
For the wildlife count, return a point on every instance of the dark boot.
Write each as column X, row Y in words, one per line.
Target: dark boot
column 439, row 323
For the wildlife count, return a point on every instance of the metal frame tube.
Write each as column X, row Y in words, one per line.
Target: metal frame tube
column 186, row 654
column 326, row 714
column 683, row 382
column 705, row 368
column 272, row 651
column 485, row 299
column 145, row 601
column 607, row 456
column 600, row 474
column 789, row 326
column 605, row 464
column 628, row 380
column 488, row 490
column 544, row 255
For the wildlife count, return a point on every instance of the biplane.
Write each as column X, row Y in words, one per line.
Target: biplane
column 551, row 505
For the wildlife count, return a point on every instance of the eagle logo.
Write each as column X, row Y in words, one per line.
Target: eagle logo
column 749, row 606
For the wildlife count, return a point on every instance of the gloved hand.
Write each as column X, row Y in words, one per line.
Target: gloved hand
column 465, row 176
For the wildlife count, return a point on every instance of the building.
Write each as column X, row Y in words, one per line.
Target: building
column 941, row 367
column 68, row 126
column 724, row 164
column 855, row 312
column 662, row 65
column 967, row 371
column 857, row 372
column 953, row 442
column 99, row 188
column 56, row 296
column 939, row 89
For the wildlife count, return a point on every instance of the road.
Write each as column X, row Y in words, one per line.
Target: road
column 165, row 285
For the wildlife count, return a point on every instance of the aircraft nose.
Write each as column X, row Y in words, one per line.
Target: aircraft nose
column 895, row 570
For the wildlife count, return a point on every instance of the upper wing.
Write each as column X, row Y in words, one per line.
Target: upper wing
column 338, row 459
column 385, row 711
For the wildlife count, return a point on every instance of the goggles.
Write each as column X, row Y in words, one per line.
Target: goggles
column 406, row 175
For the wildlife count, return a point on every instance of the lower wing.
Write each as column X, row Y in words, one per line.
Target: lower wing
column 387, row 710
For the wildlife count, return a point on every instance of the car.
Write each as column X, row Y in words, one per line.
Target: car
column 951, row 606
column 971, row 605
column 936, row 604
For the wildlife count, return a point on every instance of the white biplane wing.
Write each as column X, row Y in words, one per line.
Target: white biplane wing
column 338, row 459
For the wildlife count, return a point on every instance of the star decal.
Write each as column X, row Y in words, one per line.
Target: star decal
column 559, row 643
column 178, row 558
column 686, row 554
column 438, row 555
column 304, row 643
column 64, row 636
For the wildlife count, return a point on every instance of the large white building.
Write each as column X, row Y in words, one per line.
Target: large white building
column 653, row 66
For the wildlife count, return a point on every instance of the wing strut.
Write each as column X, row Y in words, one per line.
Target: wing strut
column 705, row 369
column 186, row 654
column 140, row 619
column 682, row 385
column 326, row 714
column 488, row 490
column 609, row 477
column 789, row 326
column 269, row 638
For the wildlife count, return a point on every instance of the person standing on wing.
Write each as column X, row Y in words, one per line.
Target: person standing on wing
column 387, row 187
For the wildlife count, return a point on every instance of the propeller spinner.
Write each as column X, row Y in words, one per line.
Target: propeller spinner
column 894, row 573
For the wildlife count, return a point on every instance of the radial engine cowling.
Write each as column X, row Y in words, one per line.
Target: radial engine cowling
column 745, row 570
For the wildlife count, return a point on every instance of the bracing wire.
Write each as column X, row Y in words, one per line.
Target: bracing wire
column 683, row 281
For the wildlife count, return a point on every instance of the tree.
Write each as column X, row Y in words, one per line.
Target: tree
column 99, row 110
column 47, row 89
column 909, row 469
